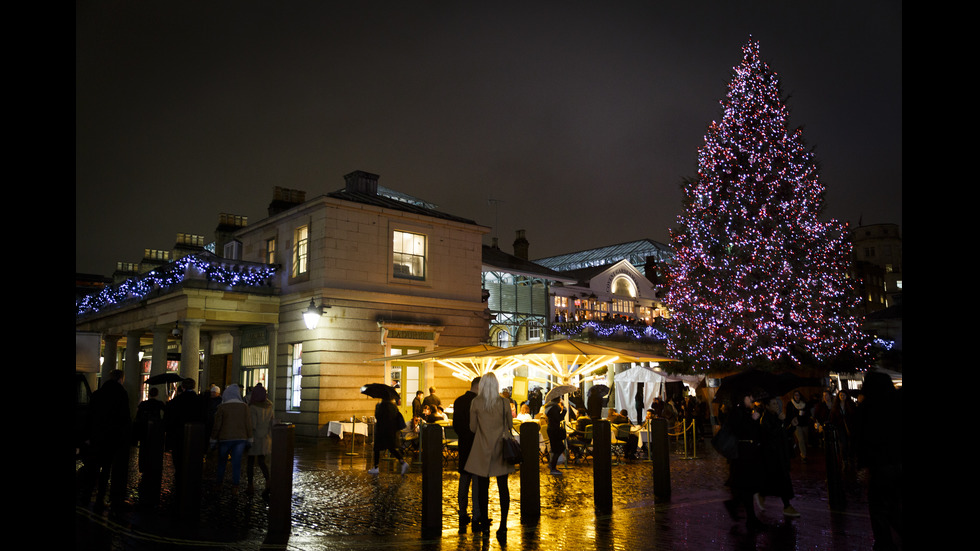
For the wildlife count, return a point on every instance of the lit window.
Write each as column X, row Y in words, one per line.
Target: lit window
column 295, row 376
column 301, row 251
column 270, row 251
column 409, row 255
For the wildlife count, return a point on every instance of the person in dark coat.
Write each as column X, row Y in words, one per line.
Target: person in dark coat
column 432, row 400
column 534, row 401
column 417, row 405
column 111, row 436
column 777, row 451
column 186, row 407
column 878, row 443
column 388, row 423
column 555, row 414
column 461, row 424
column 747, row 469
column 148, row 426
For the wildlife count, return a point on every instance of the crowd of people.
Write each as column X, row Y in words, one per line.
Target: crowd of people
column 770, row 433
column 235, row 426
column 862, row 432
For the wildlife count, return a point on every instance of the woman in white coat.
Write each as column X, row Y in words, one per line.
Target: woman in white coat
column 490, row 422
column 260, row 408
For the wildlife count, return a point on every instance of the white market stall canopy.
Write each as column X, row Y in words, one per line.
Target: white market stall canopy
column 627, row 382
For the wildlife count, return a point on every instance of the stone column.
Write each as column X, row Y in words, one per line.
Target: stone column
column 132, row 369
column 190, row 350
column 235, row 377
column 110, row 351
column 206, row 361
column 158, row 364
column 272, row 331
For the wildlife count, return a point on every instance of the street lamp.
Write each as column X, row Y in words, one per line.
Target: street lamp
column 313, row 314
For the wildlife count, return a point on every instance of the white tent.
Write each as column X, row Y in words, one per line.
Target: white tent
column 627, row 383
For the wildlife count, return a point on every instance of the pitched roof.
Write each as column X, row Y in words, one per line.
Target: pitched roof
column 387, row 199
column 497, row 259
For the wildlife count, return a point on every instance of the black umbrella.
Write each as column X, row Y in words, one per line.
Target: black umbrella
column 601, row 390
column 168, row 377
column 760, row 384
column 380, row 391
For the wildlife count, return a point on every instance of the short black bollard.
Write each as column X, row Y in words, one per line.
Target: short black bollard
column 151, row 464
column 835, row 478
column 660, row 456
column 431, row 451
column 602, row 465
column 281, row 482
column 192, row 472
column 530, row 474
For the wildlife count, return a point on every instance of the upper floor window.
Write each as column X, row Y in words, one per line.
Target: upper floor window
column 270, row 251
column 409, row 255
column 301, row 251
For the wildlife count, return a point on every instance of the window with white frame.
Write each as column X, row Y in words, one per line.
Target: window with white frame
column 301, row 251
column 408, row 255
column 295, row 376
column 270, row 251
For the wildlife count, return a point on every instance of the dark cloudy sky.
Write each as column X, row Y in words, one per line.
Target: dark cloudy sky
column 579, row 119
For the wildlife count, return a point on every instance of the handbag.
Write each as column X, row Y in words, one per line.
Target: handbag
column 512, row 448
column 512, row 451
column 725, row 442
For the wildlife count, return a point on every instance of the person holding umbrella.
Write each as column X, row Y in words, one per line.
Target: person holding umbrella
column 555, row 414
column 389, row 422
column 747, row 469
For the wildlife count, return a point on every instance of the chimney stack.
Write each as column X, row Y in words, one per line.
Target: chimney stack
column 362, row 182
column 520, row 245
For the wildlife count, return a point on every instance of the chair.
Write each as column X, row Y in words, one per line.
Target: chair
column 544, row 446
column 450, row 444
column 620, row 437
column 580, row 447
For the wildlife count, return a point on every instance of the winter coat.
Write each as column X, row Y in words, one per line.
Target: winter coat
column 262, row 422
column 489, row 428
column 389, row 422
column 461, row 423
column 232, row 420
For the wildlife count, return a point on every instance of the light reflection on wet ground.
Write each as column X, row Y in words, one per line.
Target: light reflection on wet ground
column 336, row 504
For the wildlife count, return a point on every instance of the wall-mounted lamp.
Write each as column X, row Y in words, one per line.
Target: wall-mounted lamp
column 313, row 314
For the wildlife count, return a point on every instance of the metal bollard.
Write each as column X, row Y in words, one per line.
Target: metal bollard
column 431, row 450
column 835, row 479
column 530, row 474
column 602, row 465
column 281, row 481
column 192, row 472
column 151, row 464
column 660, row 455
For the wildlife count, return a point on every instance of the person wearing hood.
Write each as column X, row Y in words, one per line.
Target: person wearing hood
column 260, row 410
column 231, row 434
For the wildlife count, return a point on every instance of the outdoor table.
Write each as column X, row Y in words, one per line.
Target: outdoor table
column 340, row 427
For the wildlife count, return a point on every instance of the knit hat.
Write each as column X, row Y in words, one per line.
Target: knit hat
column 258, row 395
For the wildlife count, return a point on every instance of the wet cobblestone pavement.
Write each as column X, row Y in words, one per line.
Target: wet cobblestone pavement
column 336, row 504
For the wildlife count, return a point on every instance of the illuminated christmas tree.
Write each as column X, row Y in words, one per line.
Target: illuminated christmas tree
column 758, row 280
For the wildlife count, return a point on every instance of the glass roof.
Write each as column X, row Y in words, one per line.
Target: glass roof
column 636, row 252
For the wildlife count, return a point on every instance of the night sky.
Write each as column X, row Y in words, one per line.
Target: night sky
column 576, row 121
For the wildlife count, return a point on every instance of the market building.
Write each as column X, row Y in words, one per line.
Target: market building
column 386, row 273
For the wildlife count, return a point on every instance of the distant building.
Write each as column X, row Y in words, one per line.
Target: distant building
column 877, row 261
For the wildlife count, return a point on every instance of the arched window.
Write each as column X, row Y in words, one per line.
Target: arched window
column 624, row 286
